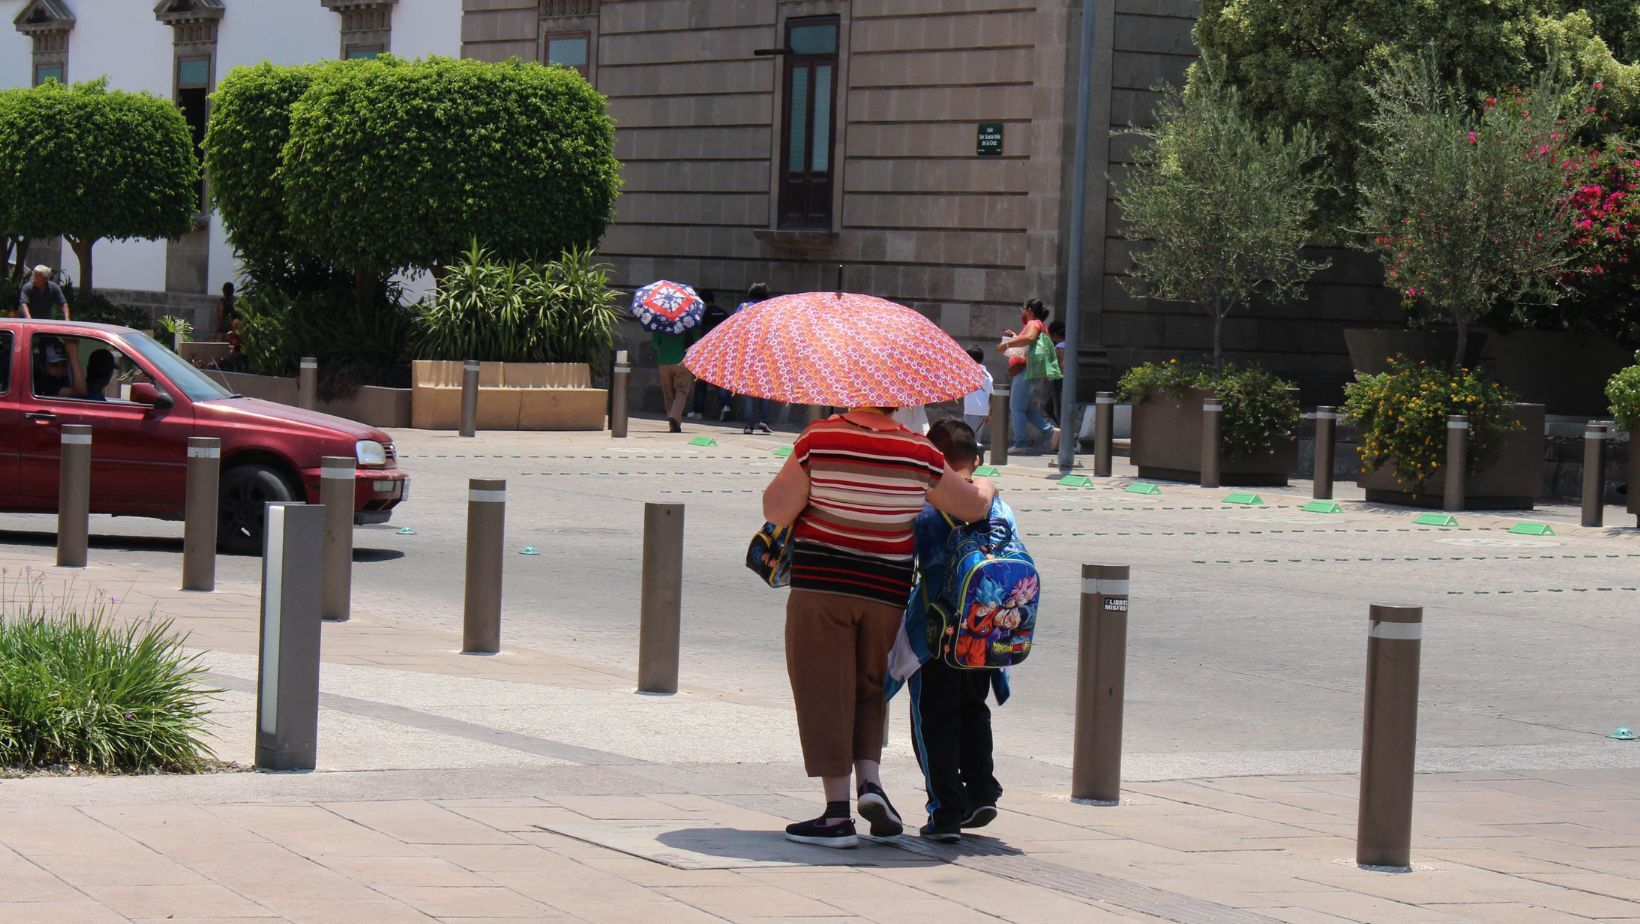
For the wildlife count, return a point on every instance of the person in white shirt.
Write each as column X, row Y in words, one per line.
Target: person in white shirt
column 976, row 405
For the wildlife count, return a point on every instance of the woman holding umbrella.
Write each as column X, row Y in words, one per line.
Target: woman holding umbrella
column 851, row 490
column 671, row 312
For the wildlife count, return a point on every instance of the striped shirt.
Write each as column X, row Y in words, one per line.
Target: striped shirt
column 868, row 479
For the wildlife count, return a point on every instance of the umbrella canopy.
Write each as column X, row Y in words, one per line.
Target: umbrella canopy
column 836, row 349
column 667, row 307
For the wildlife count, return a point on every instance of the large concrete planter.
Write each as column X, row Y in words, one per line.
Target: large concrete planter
column 378, row 407
column 1167, row 444
column 1512, row 483
column 511, row 396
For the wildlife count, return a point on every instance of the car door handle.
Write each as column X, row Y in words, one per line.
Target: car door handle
column 43, row 417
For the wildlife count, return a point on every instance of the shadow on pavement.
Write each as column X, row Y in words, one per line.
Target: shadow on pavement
column 162, row 544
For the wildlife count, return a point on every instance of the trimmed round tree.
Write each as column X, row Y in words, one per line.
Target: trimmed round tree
column 244, row 142
column 89, row 163
column 395, row 165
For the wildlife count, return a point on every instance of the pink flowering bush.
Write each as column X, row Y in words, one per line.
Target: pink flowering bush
column 1603, row 272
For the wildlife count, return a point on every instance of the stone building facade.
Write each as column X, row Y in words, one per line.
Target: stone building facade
column 888, row 176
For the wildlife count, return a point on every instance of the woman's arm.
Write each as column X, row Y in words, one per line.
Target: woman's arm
column 1032, row 331
column 966, row 500
column 787, row 495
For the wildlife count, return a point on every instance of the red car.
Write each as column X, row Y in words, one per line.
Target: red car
column 143, row 402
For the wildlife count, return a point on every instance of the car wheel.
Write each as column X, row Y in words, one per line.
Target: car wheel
column 245, row 491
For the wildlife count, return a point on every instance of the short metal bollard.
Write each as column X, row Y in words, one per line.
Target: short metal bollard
column 1457, row 462
column 307, row 383
column 1104, row 429
column 1212, row 426
column 469, row 399
column 1326, row 426
column 74, row 496
column 200, row 513
column 660, row 631
column 1389, row 743
column 1101, row 680
column 617, row 396
column 999, row 426
column 287, row 675
column 486, row 538
column 336, row 493
column 1594, row 473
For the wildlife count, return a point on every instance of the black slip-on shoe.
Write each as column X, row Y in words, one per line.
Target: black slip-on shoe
column 838, row 834
column 941, row 832
column 875, row 808
column 980, row 817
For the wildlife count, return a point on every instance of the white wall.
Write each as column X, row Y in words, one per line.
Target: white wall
column 16, row 49
column 427, row 27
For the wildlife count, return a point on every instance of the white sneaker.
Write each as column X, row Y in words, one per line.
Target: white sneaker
column 692, row 415
column 723, row 414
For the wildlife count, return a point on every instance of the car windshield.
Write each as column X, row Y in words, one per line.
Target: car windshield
column 175, row 369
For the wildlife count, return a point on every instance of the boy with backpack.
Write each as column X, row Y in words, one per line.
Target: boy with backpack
column 971, row 616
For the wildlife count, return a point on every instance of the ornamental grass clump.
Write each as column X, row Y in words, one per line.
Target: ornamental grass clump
column 79, row 690
column 1401, row 416
column 1259, row 408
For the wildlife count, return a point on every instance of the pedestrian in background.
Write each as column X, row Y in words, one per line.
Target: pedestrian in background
column 676, row 381
column 756, row 410
column 710, row 317
column 1033, row 337
column 976, row 405
column 1048, row 396
column 40, row 297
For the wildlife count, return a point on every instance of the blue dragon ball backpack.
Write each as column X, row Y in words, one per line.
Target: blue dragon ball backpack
column 986, row 609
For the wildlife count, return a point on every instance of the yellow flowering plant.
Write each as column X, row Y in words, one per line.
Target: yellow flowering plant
column 1401, row 417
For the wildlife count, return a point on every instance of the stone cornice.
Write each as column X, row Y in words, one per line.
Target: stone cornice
column 343, row 6
column 44, row 16
column 177, row 12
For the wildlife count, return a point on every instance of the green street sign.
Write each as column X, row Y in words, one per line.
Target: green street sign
column 1250, row 500
column 1532, row 529
column 990, row 139
column 987, row 471
column 1322, row 506
column 783, row 451
column 1436, row 519
column 703, row 441
column 1142, row 487
column 1076, row 481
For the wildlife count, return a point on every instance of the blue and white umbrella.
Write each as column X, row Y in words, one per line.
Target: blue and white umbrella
column 667, row 307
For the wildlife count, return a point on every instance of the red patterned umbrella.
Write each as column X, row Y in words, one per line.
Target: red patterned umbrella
column 837, row 349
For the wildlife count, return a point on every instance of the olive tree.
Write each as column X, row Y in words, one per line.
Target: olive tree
column 393, row 165
column 1218, row 206
column 89, row 163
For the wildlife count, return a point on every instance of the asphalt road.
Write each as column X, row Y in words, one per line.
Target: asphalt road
column 1247, row 636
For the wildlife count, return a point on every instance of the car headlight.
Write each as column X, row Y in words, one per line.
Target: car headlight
column 370, row 452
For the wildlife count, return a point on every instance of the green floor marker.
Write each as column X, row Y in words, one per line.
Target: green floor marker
column 1532, row 529
column 1623, row 734
column 783, row 451
column 1436, row 519
column 987, row 471
column 1076, row 481
column 1250, row 500
column 528, row 550
column 1322, row 506
column 407, row 531
column 703, row 441
column 1142, row 487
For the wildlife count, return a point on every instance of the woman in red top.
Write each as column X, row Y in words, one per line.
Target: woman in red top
column 1021, row 411
column 851, row 491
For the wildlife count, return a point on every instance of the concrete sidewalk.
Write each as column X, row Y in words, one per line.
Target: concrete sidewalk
column 537, row 786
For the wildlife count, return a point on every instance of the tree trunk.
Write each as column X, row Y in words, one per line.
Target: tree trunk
column 82, row 250
column 364, row 287
column 18, row 269
column 1218, row 350
column 1463, row 343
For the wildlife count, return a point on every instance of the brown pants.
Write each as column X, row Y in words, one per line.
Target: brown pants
column 837, row 656
column 676, row 383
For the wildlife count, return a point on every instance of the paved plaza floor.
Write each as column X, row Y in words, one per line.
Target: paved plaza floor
column 536, row 785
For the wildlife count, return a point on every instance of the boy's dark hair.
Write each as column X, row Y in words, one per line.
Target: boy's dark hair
column 955, row 439
column 976, row 354
column 1057, row 330
column 757, row 291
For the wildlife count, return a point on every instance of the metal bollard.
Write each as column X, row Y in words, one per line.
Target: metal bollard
column 74, row 496
column 1104, row 429
column 1101, row 679
column 1594, row 473
column 486, row 539
column 1457, row 462
column 617, row 396
column 336, row 493
column 659, row 629
column 307, row 383
column 1326, row 425
column 1212, row 414
column 200, row 513
column 287, row 674
column 469, row 399
column 999, row 425
column 1383, row 835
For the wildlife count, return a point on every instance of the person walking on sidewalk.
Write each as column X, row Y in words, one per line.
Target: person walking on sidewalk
column 851, row 573
column 976, row 405
column 710, row 317
column 756, row 409
column 40, row 297
column 676, row 381
column 1033, row 337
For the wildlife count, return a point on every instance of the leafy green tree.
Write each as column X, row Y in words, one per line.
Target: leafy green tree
column 1311, row 61
column 244, row 143
column 1223, row 204
column 394, row 165
column 1469, row 210
column 90, row 163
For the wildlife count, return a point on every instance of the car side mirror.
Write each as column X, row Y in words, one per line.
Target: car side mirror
column 146, row 393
